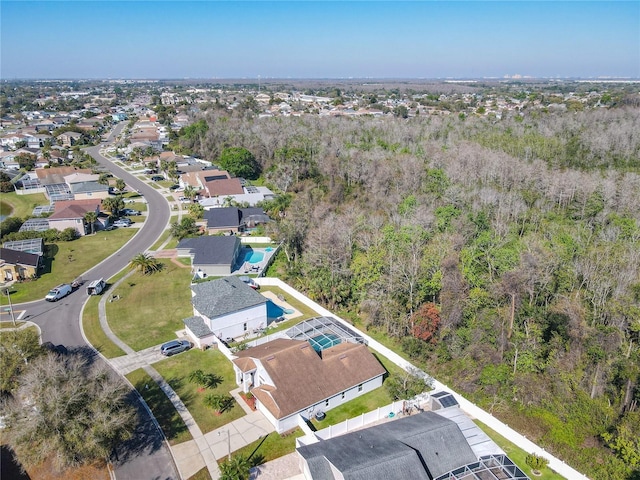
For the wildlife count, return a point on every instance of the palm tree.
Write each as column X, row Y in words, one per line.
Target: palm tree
column 205, row 380
column 113, row 205
column 190, row 192
column 90, row 218
column 145, row 264
column 219, row 403
column 120, row 184
column 236, row 468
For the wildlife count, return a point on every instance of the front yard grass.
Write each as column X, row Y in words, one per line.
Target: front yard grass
column 518, row 455
column 93, row 330
column 65, row 261
column 153, row 304
column 175, row 370
column 268, row 448
column 167, row 416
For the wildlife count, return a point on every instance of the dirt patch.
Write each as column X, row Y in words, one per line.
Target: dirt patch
column 46, row 471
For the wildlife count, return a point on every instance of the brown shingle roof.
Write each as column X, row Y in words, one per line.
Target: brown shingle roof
column 301, row 377
column 61, row 171
column 74, row 208
column 227, row 186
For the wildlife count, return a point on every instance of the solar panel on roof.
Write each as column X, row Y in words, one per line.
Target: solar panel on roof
column 252, row 189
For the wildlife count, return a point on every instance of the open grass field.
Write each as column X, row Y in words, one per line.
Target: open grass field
column 176, row 370
column 150, row 308
column 15, row 205
column 65, row 261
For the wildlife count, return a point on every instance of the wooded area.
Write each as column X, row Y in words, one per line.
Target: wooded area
column 502, row 254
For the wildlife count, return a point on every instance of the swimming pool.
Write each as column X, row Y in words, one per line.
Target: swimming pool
column 268, row 249
column 320, row 342
column 252, row 256
column 273, row 310
column 276, row 311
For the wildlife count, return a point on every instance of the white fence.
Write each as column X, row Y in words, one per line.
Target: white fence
column 351, row 424
column 470, row 408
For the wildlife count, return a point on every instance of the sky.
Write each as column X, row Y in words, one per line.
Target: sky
column 318, row 39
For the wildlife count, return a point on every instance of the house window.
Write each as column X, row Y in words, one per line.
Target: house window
column 342, row 395
column 360, row 387
column 245, row 327
column 326, row 402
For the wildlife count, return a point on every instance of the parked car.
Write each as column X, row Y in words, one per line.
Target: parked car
column 130, row 211
column 157, row 178
column 174, row 346
column 122, row 222
column 96, row 287
column 58, row 292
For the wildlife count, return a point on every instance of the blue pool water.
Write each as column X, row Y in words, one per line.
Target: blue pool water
column 275, row 311
column 253, row 257
column 324, row 341
column 268, row 249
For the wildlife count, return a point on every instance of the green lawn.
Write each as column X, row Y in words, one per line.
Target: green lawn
column 168, row 417
column 517, row 454
column 201, row 475
column 151, row 307
column 93, row 330
column 270, row 447
column 175, row 370
column 165, row 235
column 21, row 205
column 65, row 261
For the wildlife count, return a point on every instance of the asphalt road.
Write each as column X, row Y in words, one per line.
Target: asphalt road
column 146, row 456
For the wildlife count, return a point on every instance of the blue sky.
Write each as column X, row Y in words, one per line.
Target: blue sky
column 324, row 39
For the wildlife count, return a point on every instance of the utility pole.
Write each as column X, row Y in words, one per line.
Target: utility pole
column 8, row 294
column 228, row 442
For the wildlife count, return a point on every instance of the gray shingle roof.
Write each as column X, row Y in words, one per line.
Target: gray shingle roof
column 197, row 326
column 420, row 446
column 84, row 187
column 223, row 296
column 16, row 257
column 228, row 217
column 211, row 250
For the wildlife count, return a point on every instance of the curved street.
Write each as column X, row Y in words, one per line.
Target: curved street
column 147, row 455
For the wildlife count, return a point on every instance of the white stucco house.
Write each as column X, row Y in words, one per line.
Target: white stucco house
column 290, row 379
column 228, row 307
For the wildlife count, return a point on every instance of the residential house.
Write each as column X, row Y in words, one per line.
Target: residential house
column 211, row 256
column 229, row 307
column 199, row 332
column 18, row 265
column 290, row 379
column 425, row 446
column 85, row 186
column 69, row 139
column 70, row 214
column 233, row 219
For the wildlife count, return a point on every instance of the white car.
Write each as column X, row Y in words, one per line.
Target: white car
column 123, row 222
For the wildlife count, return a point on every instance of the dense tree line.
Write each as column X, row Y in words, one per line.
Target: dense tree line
column 504, row 255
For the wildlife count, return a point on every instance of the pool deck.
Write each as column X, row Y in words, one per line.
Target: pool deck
column 284, row 305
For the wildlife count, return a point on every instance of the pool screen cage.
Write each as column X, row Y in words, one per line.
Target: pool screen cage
column 322, row 327
column 489, row 467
